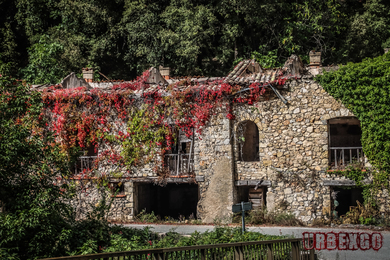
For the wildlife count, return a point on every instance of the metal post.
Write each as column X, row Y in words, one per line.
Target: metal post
column 358, row 155
column 189, row 158
column 158, row 256
column 178, row 165
column 350, row 156
column 312, row 254
column 82, row 164
column 243, row 217
column 331, row 204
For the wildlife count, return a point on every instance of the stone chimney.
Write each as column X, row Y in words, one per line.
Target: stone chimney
column 315, row 58
column 165, row 72
column 88, row 74
column 315, row 62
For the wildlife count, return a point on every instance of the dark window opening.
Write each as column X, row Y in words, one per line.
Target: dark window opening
column 180, row 159
column 173, row 200
column 90, row 151
column 86, row 161
column 248, row 141
column 250, row 194
column 345, row 147
column 344, row 199
column 117, row 188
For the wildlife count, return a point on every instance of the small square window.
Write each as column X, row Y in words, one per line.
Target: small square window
column 117, row 189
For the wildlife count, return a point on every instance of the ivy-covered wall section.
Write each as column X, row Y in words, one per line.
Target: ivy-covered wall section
column 143, row 121
column 364, row 89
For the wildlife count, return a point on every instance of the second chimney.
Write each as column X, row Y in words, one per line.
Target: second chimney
column 315, row 58
column 165, row 72
column 88, row 74
column 315, row 63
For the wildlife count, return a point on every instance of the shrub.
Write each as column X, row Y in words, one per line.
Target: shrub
column 259, row 217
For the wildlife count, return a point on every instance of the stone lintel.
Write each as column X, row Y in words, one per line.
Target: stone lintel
column 199, row 178
column 171, row 180
column 253, row 183
column 339, row 183
column 366, row 181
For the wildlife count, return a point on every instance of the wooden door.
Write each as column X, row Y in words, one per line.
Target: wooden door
column 257, row 198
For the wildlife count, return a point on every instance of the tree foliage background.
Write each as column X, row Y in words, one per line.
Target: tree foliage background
column 121, row 38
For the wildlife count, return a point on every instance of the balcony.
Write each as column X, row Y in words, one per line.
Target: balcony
column 179, row 164
column 84, row 163
column 340, row 157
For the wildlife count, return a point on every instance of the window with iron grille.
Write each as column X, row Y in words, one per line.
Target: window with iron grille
column 345, row 147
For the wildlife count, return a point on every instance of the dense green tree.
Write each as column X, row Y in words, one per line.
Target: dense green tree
column 368, row 31
column 123, row 37
column 45, row 64
column 89, row 33
column 33, row 222
column 187, row 37
column 140, row 27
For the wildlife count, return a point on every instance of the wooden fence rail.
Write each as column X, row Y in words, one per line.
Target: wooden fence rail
column 268, row 250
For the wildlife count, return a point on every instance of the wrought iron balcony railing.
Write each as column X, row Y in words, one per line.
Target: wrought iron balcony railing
column 341, row 157
column 84, row 163
column 179, row 164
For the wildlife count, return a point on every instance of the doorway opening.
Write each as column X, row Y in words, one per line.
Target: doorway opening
column 173, row 200
column 250, row 194
column 344, row 199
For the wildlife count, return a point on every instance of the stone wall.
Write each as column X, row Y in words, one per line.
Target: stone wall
column 89, row 195
column 293, row 148
column 213, row 161
column 293, row 159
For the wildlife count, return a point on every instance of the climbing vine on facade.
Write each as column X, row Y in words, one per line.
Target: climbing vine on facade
column 132, row 124
column 364, row 89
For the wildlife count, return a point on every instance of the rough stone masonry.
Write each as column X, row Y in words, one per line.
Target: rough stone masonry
column 292, row 163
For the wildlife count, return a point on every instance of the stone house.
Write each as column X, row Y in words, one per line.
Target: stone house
column 277, row 153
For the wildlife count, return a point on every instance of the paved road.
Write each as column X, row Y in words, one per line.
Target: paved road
column 383, row 253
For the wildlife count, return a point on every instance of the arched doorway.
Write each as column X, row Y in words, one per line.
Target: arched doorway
column 248, row 141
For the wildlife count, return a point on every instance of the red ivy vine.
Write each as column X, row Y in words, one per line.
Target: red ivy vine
column 107, row 119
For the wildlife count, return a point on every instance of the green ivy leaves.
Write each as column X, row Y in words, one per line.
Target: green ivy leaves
column 364, row 89
column 144, row 138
